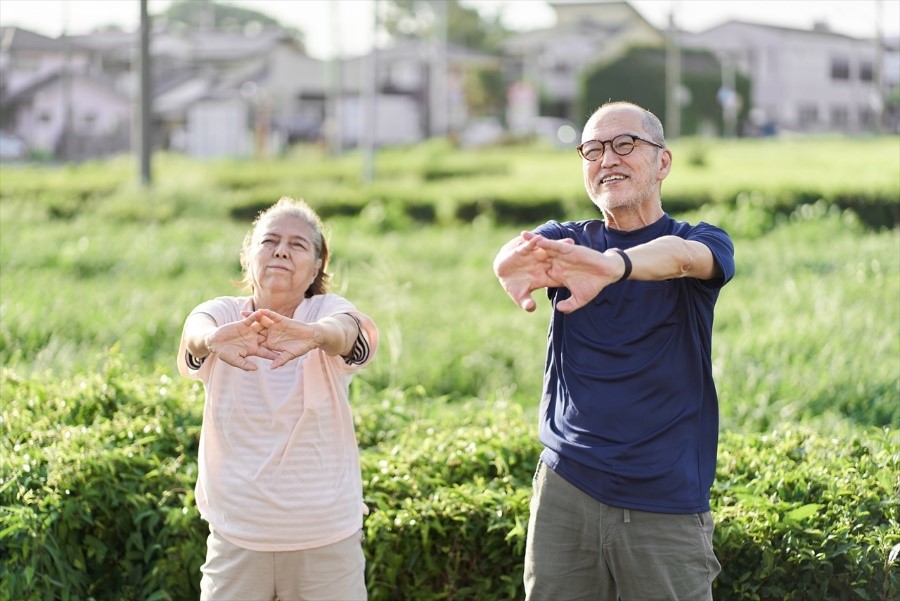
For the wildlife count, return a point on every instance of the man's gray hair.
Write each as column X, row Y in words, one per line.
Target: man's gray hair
column 650, row 122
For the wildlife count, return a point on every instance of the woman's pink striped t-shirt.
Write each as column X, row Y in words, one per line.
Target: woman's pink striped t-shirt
column 278, row 462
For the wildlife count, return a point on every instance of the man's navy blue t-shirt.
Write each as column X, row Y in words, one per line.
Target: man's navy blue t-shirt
column 629, row 412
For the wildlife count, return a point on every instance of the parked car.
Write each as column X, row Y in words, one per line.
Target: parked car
column 12, row 147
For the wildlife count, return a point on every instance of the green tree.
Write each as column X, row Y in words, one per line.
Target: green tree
column 640, row 76
column 466, row 27
column 196, row 14
column 406, row 19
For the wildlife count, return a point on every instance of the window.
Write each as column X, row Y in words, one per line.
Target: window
column 840, row 116
column 866, row 117
column 559, row 66
column 866, row 73
column 840, row 69
column 807, row 116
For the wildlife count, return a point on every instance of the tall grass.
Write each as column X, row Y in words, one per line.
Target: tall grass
column 97, row 276
column 808, row 330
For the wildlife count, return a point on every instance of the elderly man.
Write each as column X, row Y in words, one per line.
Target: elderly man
column 629, row 412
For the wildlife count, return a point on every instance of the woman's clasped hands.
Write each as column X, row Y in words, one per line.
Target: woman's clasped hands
column 262, row 333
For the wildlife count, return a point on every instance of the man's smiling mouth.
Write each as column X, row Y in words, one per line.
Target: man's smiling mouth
column 612, row 178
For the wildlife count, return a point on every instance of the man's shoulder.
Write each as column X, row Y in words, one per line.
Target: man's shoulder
column 565, row 228
column 685, row 229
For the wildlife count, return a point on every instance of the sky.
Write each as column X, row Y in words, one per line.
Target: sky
column 345, row 27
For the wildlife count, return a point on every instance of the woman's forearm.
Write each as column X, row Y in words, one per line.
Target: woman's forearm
column 197, row 330
column 337, row 334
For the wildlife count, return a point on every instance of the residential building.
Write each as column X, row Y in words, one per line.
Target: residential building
column 228, row 94
column 223, row 93
column 421, row 91
column 809, row 81
column 214, row 93
column 53, row 98
column 547, row 64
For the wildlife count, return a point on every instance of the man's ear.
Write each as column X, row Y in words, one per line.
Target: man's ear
column 665, row 164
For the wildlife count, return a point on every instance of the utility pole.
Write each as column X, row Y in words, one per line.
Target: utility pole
column 67, row 148
column 728, row 95
column 439, row 109
column 146, row 143
column 369, row 126
column 673, row 80
column 878, row 70
column 333, row 119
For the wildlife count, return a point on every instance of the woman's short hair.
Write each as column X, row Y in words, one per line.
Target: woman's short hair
column 297, row 208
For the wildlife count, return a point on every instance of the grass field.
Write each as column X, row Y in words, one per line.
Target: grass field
column 97, row 276
column 808, row 328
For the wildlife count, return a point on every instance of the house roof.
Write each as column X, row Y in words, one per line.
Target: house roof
column 562, row 6
column 591, row 25
column 46, row 79
column 420, row 49
column 187, row 91
column 104, row 41
column 199, row 45
column 819, row 30
column 212, row 45
column 14, row 39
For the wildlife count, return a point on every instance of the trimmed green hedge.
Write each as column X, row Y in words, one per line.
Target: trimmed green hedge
column 875, row 210
column 804, row 517
column 97, row 477
column 434, row 182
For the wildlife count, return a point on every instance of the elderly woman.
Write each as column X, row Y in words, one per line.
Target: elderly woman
column 279, row 478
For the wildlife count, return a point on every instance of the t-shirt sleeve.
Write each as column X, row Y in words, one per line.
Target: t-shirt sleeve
column 722, row 248
column 223, row 310
column 366, row 343
column 553, row 230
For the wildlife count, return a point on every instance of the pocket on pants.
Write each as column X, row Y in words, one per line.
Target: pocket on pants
column 536, row 472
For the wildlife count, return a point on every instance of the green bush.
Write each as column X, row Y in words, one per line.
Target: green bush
column 97, row 470
column 806, row 517
column 97, row 476
column 97, row 499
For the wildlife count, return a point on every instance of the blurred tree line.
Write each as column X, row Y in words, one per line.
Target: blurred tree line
column 640, row 76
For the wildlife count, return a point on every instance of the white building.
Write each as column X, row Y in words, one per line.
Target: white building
column 548, row 63
column 809, row 81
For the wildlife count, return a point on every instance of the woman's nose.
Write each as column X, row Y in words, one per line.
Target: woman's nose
column 281, row 251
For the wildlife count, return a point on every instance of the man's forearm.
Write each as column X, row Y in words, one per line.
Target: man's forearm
column 671, row 257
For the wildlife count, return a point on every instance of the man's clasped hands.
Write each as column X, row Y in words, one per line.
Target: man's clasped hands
column 538, row 262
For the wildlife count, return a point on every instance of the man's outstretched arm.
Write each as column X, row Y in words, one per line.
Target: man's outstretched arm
column 522, row 267
column 585, row 272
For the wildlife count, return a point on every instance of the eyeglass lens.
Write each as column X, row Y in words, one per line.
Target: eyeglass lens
column 621, row 145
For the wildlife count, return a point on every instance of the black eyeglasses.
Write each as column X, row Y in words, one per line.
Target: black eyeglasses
column 592, row 150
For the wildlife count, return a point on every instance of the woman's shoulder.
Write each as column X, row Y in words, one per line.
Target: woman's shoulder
column 322, row 305
column 228, row 301
column 224, row 306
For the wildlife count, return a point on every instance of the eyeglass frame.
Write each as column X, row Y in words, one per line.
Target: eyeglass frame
column 603, row 144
